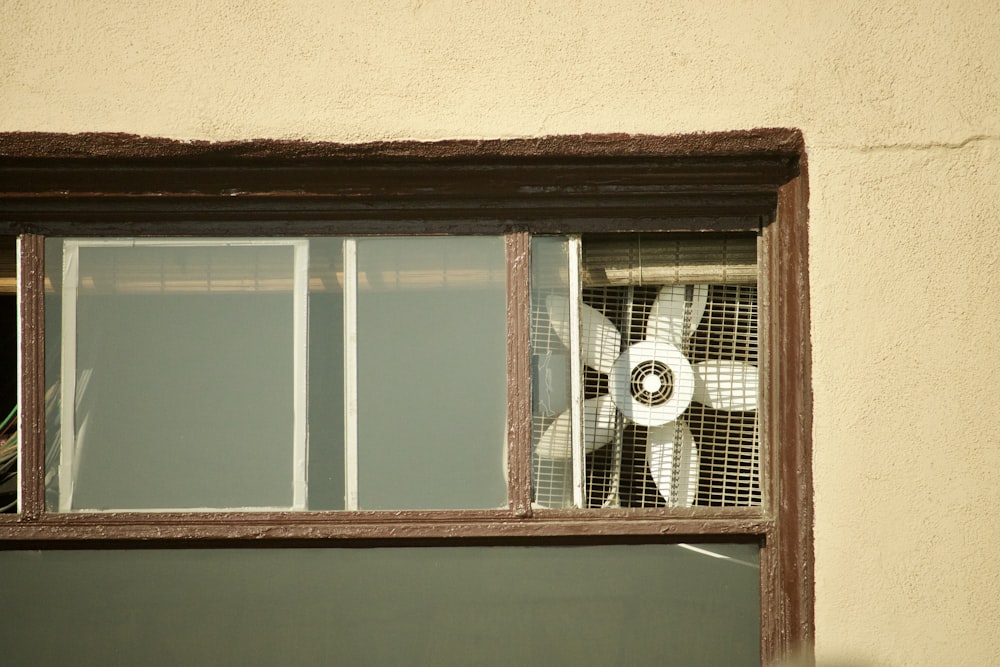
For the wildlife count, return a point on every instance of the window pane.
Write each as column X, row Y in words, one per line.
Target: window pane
column 552, row 463
column 180, row 356
column 668, row 350
column 326, row 374
column 432, row 386
column 193, row 378
column 587, row 605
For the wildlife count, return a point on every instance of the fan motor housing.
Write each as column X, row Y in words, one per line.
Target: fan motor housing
column 652, row 382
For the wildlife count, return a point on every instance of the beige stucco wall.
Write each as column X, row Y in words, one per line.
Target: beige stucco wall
column 899, row 105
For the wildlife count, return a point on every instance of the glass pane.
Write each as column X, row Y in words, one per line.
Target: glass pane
column 668, row 350
column 552, row 464
column 432, row 386
column 326, row 374
column 179, row 358
column 587, row 605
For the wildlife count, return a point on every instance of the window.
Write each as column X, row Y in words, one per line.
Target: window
column 235, row 373
column 509, row 367
column 658, row 408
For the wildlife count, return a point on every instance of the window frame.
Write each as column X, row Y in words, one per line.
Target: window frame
column 756, row 181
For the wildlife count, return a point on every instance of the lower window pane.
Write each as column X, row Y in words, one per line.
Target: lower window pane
column 584, row 605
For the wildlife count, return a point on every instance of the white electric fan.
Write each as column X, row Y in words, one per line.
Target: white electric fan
column 651, row 383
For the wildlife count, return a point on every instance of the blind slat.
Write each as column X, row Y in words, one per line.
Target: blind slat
column 640, row 259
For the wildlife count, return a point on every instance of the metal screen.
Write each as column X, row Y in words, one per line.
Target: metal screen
column 669, row 390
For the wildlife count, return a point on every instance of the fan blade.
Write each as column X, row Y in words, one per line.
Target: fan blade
column 669, row 463
column 725, row 384
column 600, row 340
column 667, row 315
column 598, row 429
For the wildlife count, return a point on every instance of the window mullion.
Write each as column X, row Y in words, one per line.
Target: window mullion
column 31, row 389
column 300, row 328
column 350, row 374
column 576, row 373
column 518, row 253
column 67, row 418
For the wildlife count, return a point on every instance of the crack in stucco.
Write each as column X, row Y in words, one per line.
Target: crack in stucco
column 913, row 146
column 576, row 107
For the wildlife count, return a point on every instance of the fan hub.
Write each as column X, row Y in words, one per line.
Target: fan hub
column 651, row 382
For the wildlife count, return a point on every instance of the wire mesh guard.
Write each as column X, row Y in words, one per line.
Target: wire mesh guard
column 670, row 396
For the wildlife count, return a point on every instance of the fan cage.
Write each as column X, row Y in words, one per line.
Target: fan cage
column 726, row 470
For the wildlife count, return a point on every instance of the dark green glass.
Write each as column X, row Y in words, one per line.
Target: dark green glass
column 578, row 606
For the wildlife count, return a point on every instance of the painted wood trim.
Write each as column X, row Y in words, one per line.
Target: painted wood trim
column 518, row 256
column 31, row 392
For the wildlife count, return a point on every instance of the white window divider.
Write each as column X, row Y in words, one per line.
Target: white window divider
column 350, row 374
column 576, row 373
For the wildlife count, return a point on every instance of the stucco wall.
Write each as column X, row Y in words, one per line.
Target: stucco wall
column 899, row 105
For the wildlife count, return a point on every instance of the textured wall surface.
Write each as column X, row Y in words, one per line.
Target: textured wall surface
column 899, row 105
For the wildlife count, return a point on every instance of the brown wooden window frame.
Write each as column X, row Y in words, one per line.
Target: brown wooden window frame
column 105, row 184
